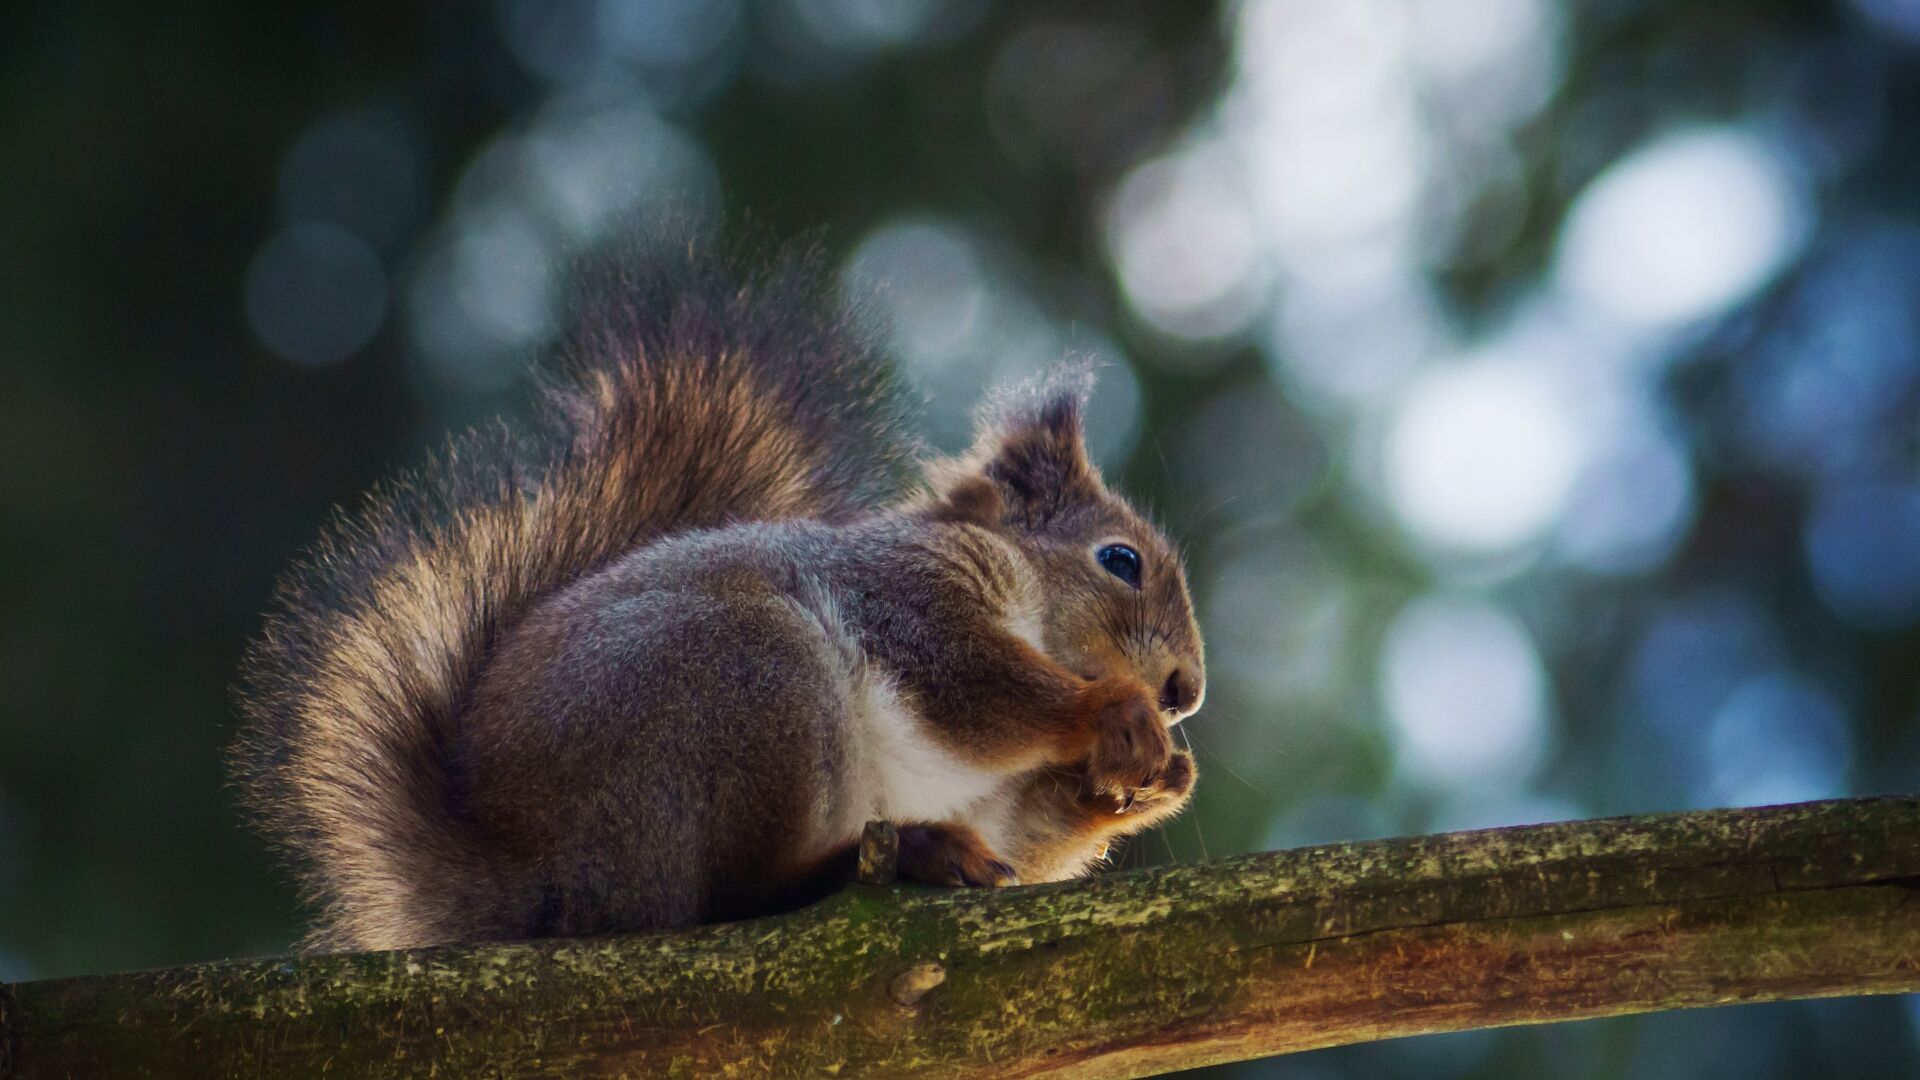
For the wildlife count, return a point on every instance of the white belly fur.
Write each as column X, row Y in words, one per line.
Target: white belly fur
column 900, row 773
column 894, row 769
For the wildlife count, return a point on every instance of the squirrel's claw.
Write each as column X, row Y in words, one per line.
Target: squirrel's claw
column 946, row 854
column 1165, row 791
column 1131, row 749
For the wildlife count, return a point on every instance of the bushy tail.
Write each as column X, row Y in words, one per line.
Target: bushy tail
column 690, row 393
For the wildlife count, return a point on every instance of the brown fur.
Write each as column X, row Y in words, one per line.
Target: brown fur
column 630, row 681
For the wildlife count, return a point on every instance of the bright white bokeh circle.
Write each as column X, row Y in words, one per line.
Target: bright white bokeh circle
column 1479, row 455
column 1465, row 695
column 1681, row 228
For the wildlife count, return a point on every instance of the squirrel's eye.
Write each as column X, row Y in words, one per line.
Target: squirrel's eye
column 1121, row 561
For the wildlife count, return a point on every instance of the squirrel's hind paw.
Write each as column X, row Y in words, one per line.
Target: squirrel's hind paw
column 944, row 854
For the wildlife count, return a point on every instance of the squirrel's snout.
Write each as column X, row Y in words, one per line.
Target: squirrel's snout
column 1180, row 694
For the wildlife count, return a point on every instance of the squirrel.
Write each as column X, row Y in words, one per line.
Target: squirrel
column 655, row 662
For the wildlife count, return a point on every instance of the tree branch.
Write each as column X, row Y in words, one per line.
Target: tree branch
column 1122, row 974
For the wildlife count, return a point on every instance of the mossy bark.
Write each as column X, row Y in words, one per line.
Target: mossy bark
column 1126, row 974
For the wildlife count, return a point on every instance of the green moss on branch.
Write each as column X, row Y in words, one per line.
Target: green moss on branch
column 1124, row 974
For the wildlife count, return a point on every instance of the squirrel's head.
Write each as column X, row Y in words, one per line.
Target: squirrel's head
column 1114, row 589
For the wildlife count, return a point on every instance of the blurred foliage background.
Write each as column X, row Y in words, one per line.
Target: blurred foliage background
column 1534, row 385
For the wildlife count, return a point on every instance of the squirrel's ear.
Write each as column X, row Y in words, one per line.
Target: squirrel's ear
column 962, row 495
column 1037, row 457
column 1028, row 460
column 1029, row 457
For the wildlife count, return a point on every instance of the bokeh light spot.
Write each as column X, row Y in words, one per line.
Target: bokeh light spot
column 1898, row 17
column 668, row 33
column 1465, row 694
column 1863, row 548
column 926, row 278
column 482, row 299
column 1178, row 232
column 866, row 25
column 315, row 293
column 1681, row 228
column 1833, row 381
column 1631, row 506
column 1777, row 738
column 961, row 328
column 555, row 39
column 592, row 165
column 1479, row 455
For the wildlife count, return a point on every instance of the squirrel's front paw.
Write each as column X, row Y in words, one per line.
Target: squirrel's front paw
column 938, row 854
column 1131, row 745
column 1162, row 798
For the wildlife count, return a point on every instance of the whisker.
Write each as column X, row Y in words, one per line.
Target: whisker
column 1194, row 747
column 1199, row 835
column 1204, row 521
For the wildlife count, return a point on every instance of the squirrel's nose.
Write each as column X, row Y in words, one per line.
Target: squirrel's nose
column 1180, row 693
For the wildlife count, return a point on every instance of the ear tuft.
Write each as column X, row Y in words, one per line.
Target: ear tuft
column 1031, row 444
column 1056, row 401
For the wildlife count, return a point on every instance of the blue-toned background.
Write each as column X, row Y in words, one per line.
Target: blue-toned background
column 1536, row 386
